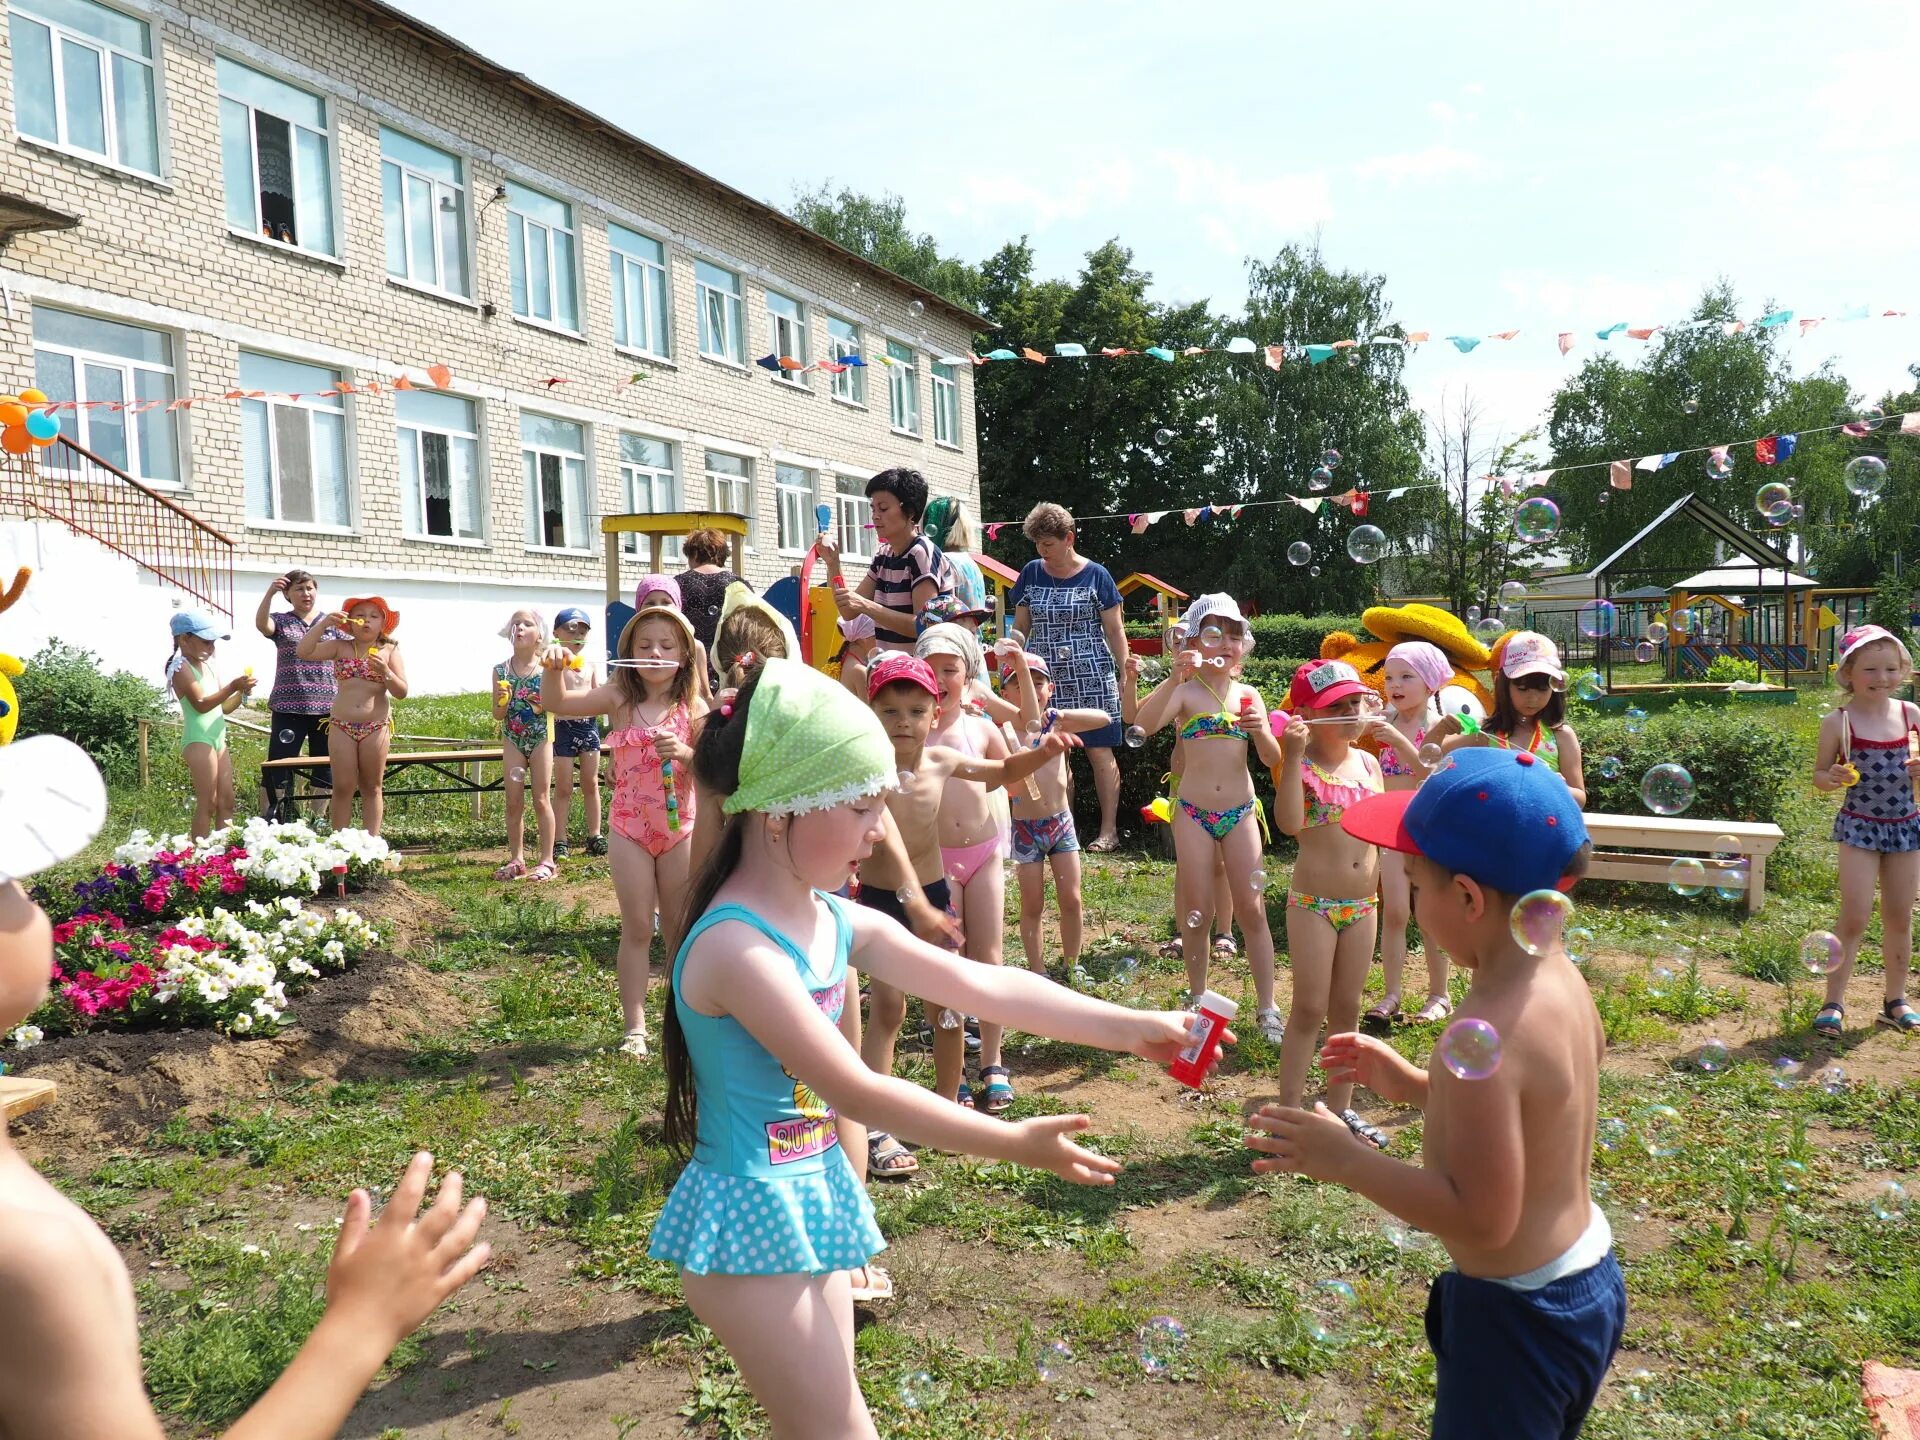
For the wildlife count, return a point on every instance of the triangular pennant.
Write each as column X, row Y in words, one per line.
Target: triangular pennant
column 993, row 530
column 1319, row 354
column 1647, row 462
column 1160, row 352
column 1785, row 445
column 1396, row 492
column 1417, row 337
column 1191, row 515
column 1114, row 352
column 1137, row 524
column 553, row 381
column 1620, row 475
column 1732, row 327
column 440, row 375
column 1774, row 318
column 1503, row 334
column 1027, row 352
column 787, row 362
column 1464, row 343
column 1807, row 322
column 401, row 382
column 1276, row 356
column 1345, row 344
column 1642, row 332
column 1000, row 354
column 1763, row 450
column 1611, row 330
column 1240, row 345
column 1070, row 351
column 1195, row 350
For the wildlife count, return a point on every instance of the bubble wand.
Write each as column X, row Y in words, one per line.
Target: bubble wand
column 666, row 784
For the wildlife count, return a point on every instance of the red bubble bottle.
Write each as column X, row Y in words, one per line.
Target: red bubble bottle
column 1210, row 1020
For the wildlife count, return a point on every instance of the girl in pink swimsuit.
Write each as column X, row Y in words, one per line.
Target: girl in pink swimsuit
column 654, row 713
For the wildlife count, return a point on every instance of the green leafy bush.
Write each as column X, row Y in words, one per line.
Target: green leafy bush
column 65, row 692
column 1743, row 768
column 1892, row 604
column 1278, row 634
column 1726, row 669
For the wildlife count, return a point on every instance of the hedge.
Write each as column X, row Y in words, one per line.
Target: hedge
column 1277, row 634
column 64, row 691
column 1743, row 767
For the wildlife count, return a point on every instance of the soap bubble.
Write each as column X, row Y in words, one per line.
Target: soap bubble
column 1211, row 635
column 1636, row 719
column 916, row 308
column 1163, row 1343
column 1512, row 616
column 1538, row 920
column 1773, row 498
column 1488, row 629
column 1719, row 465
column 1713, row 1055
column 1644, row 653
column 1800, row 513
column 1832, row 1079
column 1193, row 919
column 1865, row 474
column 1051, row 1362
column 1299, row 553
column 905, row 779
column 1785, row 1071
column 1793, row 1176
column 1314, row 570
column 1258, row 880
column 919, row 1390
column 1689, row 403
column 1431, row 754
column 1680, row 621
column 1873, row 417
column 1686, row 877
column 1639, row 1388
column 1331, row 1309
column 1610, row 1133
column 1660, row 1130
column 1470, row 1048
column 1578, row 944
column 1656, row 631
column 1367, row 543
column 1727, row 848
column 1473, row 613
column 1163, row 437
column 1320, row 478
column 1595, row 619
column 1329, row 457
column 1659, row 980
column 1730, row 880
column 1889, row 1202
column 1536, row 520
column 1135, row 737
column 1609, row 767
column 1590, row 686
column 1820, row 952
column 1513, row 593
column 1667, row 789
column 1780, row 519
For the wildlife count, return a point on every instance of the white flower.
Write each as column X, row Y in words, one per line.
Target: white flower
column 251, row 1250
column 27, row 1036
column 242, row 1022
column 213, row 990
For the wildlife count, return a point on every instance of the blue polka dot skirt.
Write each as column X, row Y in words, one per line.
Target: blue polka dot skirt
column 716, row 1224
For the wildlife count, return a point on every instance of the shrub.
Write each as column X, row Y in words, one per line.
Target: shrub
column 1726, row 669
column 1892, row 604
column 64, row 692
column 1298, row 635
column 1743, row 767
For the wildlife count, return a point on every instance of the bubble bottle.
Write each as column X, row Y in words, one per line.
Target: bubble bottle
column 1211, row 1016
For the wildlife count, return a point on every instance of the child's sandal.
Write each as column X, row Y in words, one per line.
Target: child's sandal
column 1380, row 1017
column 1226, row 946
column 545, row 870
column 1437, row 1008
column 888, row 1158
column 1897, row 1014
column 512, row 870
column 996, row 1091
column 1832, row 1019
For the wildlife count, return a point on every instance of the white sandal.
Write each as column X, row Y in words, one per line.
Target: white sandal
column 1272, row 1024
column 635, row 1044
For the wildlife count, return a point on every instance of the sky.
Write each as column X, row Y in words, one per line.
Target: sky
column 1539, row 167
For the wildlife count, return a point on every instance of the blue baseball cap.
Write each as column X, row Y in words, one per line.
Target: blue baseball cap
column 196, row 623
column 1500, row 817
column 572, row 615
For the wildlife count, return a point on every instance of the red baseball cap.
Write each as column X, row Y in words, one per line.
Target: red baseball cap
column 1319, row 683
column 897, row 667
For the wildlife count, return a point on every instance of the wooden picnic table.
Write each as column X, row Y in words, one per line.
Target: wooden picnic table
column 458, row 772
column 1644, row 847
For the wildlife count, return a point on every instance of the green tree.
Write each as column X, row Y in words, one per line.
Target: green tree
column 876, row 228
column 1865, row 540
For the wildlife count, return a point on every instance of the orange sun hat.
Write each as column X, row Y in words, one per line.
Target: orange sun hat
column 389, row 624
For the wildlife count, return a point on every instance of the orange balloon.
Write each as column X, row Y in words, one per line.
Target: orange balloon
column 12, row 413
column 15, row 440
column 33, row 397
column 37, row 443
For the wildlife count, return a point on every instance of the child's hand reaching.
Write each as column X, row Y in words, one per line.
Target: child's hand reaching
column 934, row 925
column 1132, row 664
column 387, row 1279
column 1160, row 1035
column 1351, row 1059
column 669, row 746
column 1315, row 1143
column 1293, row 740
column 1044, row 1145
column 1057, row 743
column 1186, row 665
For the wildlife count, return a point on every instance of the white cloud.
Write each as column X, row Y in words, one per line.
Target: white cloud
column 1441, row 111
column 1041, row 203
column 1423, row 167
column 1227, row 206
column 1586, row 303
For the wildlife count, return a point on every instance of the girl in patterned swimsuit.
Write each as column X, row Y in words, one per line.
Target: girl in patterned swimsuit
column 1332, row 906
column 368, row 677
column 526, row 749
column 767, row 1221
column 653, row 710
column 1218, row 716
column 1867, row 752
column 1529, row 710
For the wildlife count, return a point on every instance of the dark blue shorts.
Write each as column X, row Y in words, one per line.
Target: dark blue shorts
column 576, row 737
column 1522, row 1364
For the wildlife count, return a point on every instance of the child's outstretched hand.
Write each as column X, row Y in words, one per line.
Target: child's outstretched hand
column 1160, row 1035
column 391, row 1276
column 1057, row 743
column 1315, row 1143
column 1352, row 1059
column 555, row 657
column 1186, row 665
column 934, row 925
column 1045, row 1145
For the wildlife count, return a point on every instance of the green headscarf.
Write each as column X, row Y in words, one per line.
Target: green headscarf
column 810, row 745
column 938, row 520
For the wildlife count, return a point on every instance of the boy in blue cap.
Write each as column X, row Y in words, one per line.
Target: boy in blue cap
column 576, row 741
column 1526, row 1323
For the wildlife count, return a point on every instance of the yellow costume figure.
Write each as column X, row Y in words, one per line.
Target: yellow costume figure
column 1391, row 624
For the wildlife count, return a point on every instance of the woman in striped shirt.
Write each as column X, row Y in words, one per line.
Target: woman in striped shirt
column 908, row 572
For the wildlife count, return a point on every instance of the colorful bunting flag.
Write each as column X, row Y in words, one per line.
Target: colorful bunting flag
column 1027, row 352
column 1774, row 318
column 1611, row 330
column 1068, row 350
column 1318, row 354
column 1240, row 345
column 1464, row 343
column 1620, row 475
column 1276, row 356
column 1160, row 352
column 1566, row 341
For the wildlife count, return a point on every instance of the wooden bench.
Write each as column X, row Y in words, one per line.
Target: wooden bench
column 18, row 1095
column 459, row 772
column 1644, row 847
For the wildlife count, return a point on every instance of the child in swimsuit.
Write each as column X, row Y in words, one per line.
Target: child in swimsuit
column 368, row 677
column 856, row 653
column 1333, row 902
column 204, row 707
column 1529, row 710
column 767, row 1221
column 1216, row 809
column 576, row 740
column 526, row 748
column 653, row 711
column 1867, row 752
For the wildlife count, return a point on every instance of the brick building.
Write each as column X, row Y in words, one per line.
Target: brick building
column 296, row 198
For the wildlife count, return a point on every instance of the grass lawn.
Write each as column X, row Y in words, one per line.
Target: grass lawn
column 1764, row 1262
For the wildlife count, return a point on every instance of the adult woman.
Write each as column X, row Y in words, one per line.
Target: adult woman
column 1069, row 609
column 302, row 689
column 704, row 584
column 907, row 575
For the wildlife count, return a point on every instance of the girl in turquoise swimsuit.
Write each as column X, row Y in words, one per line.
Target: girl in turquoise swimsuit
column 1218, row 718
column 763, row 1083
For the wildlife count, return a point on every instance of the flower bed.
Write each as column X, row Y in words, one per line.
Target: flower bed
column 171, row 934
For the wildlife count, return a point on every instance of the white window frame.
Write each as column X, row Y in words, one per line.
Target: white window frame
column 853, row 513
column 733, row 314
column 418, row 432
column 327, row 404
column 293, row 154
column 716, row 480
column 850, row 385
column 584, row 455
column 518, row 221
column 794, row 327
column 634, row 475
column 438, row 188
column 631, row 275
column 946, row 405
column 82, row 434
column 58, row 37
column 903, row 389
column 795, row 539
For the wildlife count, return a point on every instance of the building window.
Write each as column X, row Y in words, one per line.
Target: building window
column 946, row 405
column 730, row 484
column 640, row 303
column 843, row 339
column 793, row 488
column 903, row 388
column 440, row 489
column 554, row 455
column 293, row 442
column 126, row 373
column 540, row 258
column 787, row 333
column 84, row 79
column 651, row 486
column 717, row 293
column 425, row 195
column 277, row 158
column 855, row 513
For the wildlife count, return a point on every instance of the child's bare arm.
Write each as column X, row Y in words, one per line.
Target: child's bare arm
column 391, row 671
column 991, row 773
column 206, row 702
column 556, row 699
column 1571, row 769
column 1289, row 795
column 1828, row 773
column 1162, row 705
column 1078, row 722
column 995, row 707
column 316, row 644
